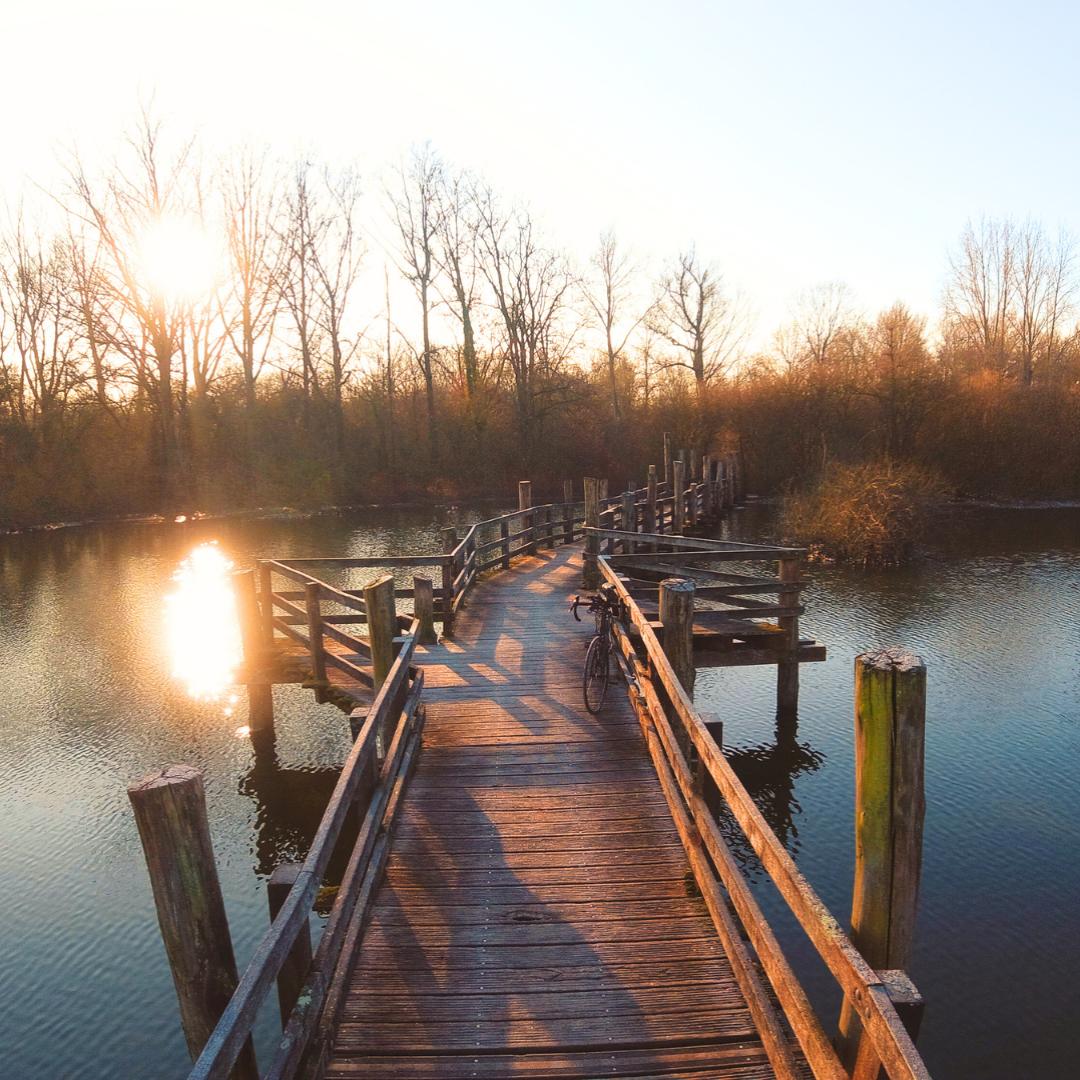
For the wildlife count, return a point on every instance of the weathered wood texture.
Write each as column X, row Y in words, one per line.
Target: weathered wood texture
column 890, row 804
column 535, row 918
column 170, row 812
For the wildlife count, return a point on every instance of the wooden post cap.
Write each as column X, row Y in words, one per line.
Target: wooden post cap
column 169, row 774
column 891, row 658
column 677, row 584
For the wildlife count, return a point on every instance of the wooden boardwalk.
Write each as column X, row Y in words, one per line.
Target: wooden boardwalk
column 537, row 916
column 533, row 891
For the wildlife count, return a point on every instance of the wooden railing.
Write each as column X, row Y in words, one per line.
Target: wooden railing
column 685, row 754
column 663, row 506
column 369, row 789
column 486, row 545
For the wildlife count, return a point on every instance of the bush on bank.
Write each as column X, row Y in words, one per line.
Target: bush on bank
column 871, row 514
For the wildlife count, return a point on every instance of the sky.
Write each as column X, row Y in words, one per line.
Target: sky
column 793, row 143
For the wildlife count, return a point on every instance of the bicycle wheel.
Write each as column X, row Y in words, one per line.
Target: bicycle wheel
column 596, row 674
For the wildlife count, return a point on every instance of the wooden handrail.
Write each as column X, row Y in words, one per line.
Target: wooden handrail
column 859, row 982
column 228, row 1038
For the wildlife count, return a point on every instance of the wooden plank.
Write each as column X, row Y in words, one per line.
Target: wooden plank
column 741, row 1060
column 545, row 1004
column 536, row 1036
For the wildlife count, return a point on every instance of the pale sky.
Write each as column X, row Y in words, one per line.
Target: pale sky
column 794, row 143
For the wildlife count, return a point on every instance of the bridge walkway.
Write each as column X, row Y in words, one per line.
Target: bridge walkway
column 538, row 916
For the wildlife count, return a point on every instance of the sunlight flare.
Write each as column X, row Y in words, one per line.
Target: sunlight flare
column 178, row 259
column 201, row 625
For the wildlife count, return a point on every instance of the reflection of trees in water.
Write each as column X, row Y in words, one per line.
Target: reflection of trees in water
column 290, row 804
column 768, row 772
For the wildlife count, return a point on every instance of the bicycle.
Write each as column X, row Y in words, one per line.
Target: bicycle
column 597, row 671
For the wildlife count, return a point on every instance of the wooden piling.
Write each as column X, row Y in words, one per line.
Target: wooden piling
column 529, row 520
column 382, row 625
column 424, row 609
column 787, row 670
column 266, row 604
column 294, row 970
column 259, row 688
column 170, row 813
column 315, row 634
column 677, row 618
column 706, row 490
column 890, row 803
column 449, row 542
column 591, row 575
column 678, row 510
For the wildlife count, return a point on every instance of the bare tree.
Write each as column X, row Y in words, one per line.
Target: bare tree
column 530, row 285
column 415, row 211
column 821, row 317
column 978, row 297
column 456, row 228
column 35, row 288
column 608, row 296
column 1042, row 293
column 302, row 235
column 695, row 315
column 901, row 378
column 250, row 205
column 134, row 316
column 337, row 264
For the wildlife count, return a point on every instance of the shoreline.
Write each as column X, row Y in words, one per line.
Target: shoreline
column 261, row 513
column 272, row 513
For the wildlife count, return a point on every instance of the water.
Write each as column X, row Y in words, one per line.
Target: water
column 87, row 703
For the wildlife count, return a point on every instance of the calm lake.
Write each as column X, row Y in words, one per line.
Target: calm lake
column 88, row 702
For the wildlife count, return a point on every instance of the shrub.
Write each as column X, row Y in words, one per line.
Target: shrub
column 873, row 513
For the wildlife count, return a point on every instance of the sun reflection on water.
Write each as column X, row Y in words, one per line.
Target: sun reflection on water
column 201, row 626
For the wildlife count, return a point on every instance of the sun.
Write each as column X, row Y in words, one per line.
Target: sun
column 178, row 259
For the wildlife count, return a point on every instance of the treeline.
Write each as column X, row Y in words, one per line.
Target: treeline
column 195, row 338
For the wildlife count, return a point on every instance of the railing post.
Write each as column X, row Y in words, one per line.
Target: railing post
column 424, row 609
column 293, row 972
column 449, row 542
column 678, row 506
column 382, row 625
column 315, row 634
column 629, row 519
column 890, row 803
column 525, row 503
column 591, row 576
column 669, row 475
column 259, row 687
column 170, row 813
column 568, row 511
column 650, row 501
column 504, row 536
column 787, row 670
